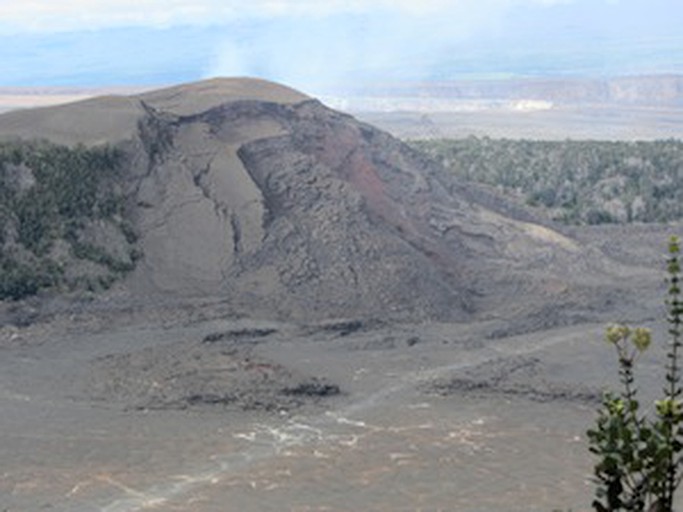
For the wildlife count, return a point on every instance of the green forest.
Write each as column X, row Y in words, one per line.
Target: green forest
column 51, row 196
column 577, row 182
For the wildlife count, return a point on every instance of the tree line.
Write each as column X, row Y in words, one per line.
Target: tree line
column 578, row 182
column 48, row 193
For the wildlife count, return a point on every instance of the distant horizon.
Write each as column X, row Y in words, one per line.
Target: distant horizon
column 461, row 95
column 316, row 46
column 134, row 88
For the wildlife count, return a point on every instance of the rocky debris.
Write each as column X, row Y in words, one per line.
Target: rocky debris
column 520, row 376
column 383, row 342
column 192, row 375
column 343, row 328
column 313, row 388
column 239, row 334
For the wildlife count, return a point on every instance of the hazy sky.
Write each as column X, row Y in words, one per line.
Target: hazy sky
column 314, row 44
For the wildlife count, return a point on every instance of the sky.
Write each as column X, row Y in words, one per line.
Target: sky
column 319, row 45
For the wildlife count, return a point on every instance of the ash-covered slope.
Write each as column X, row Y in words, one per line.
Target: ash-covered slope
column 292, row 208
column 254, row 192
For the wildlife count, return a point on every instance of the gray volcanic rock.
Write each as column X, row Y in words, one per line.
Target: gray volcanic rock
column 251, row 191
column 224, row 373
column 285, row 206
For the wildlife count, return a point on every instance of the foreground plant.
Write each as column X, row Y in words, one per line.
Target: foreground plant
column 639, row 458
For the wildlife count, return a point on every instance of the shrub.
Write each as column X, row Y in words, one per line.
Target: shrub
column 18, row 280
column 639, row 458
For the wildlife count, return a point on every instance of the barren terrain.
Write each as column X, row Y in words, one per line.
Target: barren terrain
column 559, row 122
column 621, row 108
column 200, row 408
column 322, row 320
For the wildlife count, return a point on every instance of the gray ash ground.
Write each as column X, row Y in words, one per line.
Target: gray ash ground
column 521, row 376
column 196, row 406
column 221, row 370
column 109, row 421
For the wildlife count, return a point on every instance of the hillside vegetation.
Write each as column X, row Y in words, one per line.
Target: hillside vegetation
column 61, row 218
column 580, row 182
